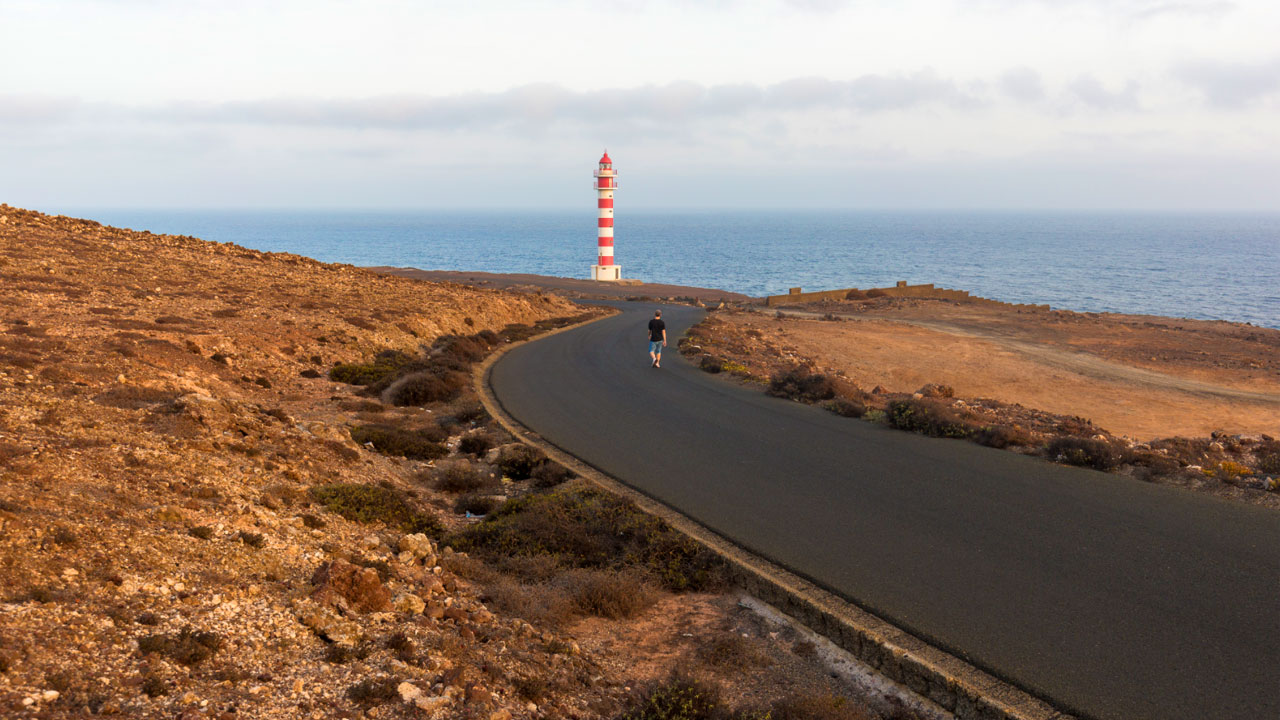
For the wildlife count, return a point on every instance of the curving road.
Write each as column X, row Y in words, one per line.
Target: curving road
column 1109, row 597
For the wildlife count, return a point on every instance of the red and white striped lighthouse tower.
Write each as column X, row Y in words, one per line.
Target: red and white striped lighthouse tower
column 606, row 183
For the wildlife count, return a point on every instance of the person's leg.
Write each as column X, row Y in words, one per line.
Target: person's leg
column 657, row 356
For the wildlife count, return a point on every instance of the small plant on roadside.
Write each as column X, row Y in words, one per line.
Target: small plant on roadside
column 1001, row 436
column 550, row 474
column 1087, row 452
column 845, row 407
column 711, row 364
column 474, row 504
column 802, row 385
column 679, row 698
column 519, row 461
column 476, row 443
column 927, row 418
column 458, row 476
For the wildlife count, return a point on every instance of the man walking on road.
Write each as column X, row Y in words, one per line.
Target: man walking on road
column 657, row 338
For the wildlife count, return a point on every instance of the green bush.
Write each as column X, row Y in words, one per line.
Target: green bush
column 385, row 364
column 800, row 384
column 588, row 528
column 1087, row 452
column 1269, row 462
column 458, row 477
column 415, row 445
column 371, row 503
column 550, row 474
column 711, row 364
column 926, row 417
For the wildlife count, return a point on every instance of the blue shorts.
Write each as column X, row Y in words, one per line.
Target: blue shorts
column 655, row 347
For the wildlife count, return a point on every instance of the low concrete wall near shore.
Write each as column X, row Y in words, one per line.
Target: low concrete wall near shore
column 902, row 289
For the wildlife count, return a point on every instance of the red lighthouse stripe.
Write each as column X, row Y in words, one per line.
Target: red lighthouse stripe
column 606, row 203
column 605, row 242
column 605, row 183
column 606, row 222
column 604, row 260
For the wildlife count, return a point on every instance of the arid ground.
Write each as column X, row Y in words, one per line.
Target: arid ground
column 230, row 482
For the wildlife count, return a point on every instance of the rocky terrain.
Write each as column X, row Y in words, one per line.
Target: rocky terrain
column 1183, row 402
column 232, row 483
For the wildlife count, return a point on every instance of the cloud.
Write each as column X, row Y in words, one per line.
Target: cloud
column 1201, row 10
column 1231, row 85
column 1022, row 84
column 1091, row 92
column 35, row 109
column 543, row 104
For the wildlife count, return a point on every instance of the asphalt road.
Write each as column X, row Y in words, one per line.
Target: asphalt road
column 1109, row 597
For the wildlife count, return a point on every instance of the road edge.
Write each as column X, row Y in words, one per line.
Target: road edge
column 953, row 684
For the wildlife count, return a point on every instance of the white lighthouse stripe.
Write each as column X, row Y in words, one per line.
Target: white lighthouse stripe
column 606, row 251
column 605, row 232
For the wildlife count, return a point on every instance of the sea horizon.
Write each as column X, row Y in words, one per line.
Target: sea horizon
column 1208, row 265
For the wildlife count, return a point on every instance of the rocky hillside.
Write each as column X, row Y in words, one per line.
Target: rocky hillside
column 231, row 483
column 164, row 412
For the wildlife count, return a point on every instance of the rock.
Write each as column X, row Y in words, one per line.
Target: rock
column 408, row 691
column 434, row 610
column 500, row 715
column 408, row 603
column 371, row 542
column 878, row 390
column 419, row 547
column 455, row 613
column 326, row 623
column 478, row 695
column 340, row 582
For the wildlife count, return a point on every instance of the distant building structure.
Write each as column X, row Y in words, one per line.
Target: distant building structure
column 606, row 183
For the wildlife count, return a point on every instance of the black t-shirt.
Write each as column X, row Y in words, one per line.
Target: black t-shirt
column 656, row 328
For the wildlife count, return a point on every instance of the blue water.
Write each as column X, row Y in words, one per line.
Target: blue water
column 1193, row 265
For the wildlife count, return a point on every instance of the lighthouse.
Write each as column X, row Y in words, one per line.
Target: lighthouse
column 606, row 183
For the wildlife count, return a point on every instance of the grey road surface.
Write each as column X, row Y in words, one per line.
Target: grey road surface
column 1109, row 597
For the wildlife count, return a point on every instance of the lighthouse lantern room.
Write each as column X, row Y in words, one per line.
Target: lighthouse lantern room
column 606, row 183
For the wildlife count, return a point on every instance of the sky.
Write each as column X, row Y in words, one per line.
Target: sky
column 702, row 104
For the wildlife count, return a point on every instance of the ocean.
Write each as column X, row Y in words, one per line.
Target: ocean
column 1205, row 266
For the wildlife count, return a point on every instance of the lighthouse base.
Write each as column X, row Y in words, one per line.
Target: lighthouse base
column 610, row 273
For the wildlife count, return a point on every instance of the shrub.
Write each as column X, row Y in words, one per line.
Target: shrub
column 845, row 407
column 204, row 532
column 587, row 528
column 934, row 390
column 252, row 539
column 474, row 504
column 370, row 504
column 519, row 461
column 926, row 417
column 415, row 445
column 153, row 686
column 855, row 294
column 876, row 292
column 476, row 443
column 1001, row 436
column 310, row 373
column 613, row 594
column 711, row 364
column 463, row 349
column 800, row 384
column 470, row 412
column 1269, row 462
column 1087, row 452
column 550, row 474
column 421, row 388
column 385, row 364
column 458, row 477
column 676, row 699
column 189, row 647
